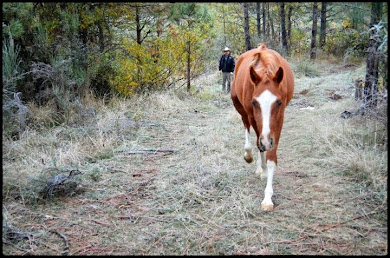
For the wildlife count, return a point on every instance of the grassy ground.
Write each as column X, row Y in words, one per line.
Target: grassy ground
column 165, row 174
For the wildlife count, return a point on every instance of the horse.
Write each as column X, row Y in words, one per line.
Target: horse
column 262, row 87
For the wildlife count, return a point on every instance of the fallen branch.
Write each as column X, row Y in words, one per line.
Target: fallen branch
column 101, row 222
column 66, row 248
column 328, row 227
column 151, row 151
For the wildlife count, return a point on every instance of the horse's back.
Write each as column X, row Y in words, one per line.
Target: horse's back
column 241, row 75
column 241, row 85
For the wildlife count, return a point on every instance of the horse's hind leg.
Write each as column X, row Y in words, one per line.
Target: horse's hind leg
column 261, row 165
column 248, row 156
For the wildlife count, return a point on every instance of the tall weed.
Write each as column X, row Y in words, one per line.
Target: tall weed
column 14, row 111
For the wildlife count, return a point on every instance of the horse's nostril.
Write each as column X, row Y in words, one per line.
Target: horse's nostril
column 261, row 147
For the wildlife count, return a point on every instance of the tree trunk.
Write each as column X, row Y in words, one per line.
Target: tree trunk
column 159, row 27
column 264, row 20
column 258, row 20
column 101, row 36
column 271, row 24
column 156, row 47
column 289, row 25
column 140, row 27
column 224, row 26
column 137, row 21
column 371, row 80
column 83, row 32
column 314, row 32
column 100, row 27
column 138, row 58
column 246, row 27
column 283, row 28
column 268, row 21
column 323, row 25
column 188, row 65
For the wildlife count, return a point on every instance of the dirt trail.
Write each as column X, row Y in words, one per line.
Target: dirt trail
column 201, row 197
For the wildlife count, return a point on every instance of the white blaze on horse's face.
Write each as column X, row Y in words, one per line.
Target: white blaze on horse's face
column 266, row 99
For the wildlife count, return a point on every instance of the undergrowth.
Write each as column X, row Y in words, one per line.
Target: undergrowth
column 164, row 174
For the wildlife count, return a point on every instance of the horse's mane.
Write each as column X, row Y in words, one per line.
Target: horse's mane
column 269, row 64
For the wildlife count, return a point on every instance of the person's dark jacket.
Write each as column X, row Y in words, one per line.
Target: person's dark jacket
column 227, row 65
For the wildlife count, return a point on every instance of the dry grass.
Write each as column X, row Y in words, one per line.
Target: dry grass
column 203, row 198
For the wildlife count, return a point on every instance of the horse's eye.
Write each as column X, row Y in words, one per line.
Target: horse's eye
column 279, row 103
column 254, row 103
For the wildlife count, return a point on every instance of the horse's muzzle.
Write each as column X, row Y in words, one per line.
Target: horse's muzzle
column 266, row 144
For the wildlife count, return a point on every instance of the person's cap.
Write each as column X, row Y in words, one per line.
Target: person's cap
column 226, row 49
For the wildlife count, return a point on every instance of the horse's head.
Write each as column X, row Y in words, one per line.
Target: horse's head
column 268, row 106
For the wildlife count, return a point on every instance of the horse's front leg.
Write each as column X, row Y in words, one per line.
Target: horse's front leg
column 267, row 203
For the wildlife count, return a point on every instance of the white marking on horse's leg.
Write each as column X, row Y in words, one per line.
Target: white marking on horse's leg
column 248, row 148
column 266, row 99
column 261, row 165
column 267, row 203
column 247, row 141
column 259, row 170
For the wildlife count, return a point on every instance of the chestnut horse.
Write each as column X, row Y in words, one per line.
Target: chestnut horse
column 263, row 86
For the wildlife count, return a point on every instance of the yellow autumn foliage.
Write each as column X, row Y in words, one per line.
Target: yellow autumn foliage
column 159, row 62
column 150, row 66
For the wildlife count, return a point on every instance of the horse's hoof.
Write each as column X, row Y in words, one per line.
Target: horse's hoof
column 267, row 206
column 248, row 156
column 259, row 171
column 248, row 159
column 263, row 176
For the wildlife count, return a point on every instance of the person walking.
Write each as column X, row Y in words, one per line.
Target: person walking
column 226, row 65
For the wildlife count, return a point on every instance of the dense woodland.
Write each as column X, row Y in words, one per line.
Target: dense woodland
column 57, row 54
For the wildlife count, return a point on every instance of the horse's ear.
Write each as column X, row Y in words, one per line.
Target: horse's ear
column 278, row 77
column 254, row 76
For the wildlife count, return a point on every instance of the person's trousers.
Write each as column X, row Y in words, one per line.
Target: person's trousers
column 226, row 79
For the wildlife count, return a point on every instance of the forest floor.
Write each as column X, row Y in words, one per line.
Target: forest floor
column 165, row 174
